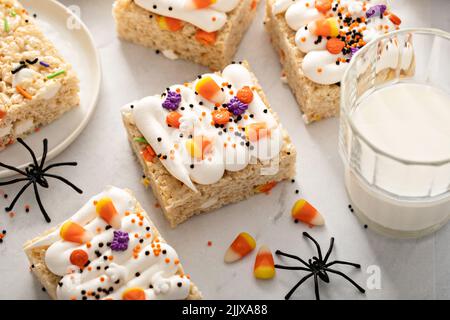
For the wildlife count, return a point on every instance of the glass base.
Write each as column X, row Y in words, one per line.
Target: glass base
column 393, row 217
column 398, row 234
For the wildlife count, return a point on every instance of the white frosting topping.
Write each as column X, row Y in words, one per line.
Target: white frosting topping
column 229, row 149
column 325, row 66
column 146, row 265
column 210, row 16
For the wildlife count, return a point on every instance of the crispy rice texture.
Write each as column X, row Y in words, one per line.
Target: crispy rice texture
column 26, row 41
column 179, row 203
column 139, row 26
column 49, row 281
column 316, row 101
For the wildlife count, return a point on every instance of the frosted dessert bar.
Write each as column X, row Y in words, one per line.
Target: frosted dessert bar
column 207, row 32
column 316, row 39
column 37, row 85
column 209, row 143
column 109, row 250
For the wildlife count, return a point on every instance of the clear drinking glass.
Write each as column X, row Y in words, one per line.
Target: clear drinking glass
column 391, row 191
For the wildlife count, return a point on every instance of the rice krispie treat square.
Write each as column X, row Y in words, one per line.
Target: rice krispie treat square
column 209, row 143
column 316, row 39
column 207, row 32
column 109, row 250
column 37, row 85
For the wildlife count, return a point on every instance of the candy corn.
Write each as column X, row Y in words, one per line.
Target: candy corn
column 241, row 246
column 170, row 24
column 134, row 294
column 210, row 90
column 199, row 4
column 266, row 188
column 264, row 265
column 256, row 131
column 303, row 211
column 73, row 232
column 106, row 210
column 325, row 27
column 198, row 147
column 79, row 258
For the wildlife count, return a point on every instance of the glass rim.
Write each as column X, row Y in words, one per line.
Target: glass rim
column 366, row 48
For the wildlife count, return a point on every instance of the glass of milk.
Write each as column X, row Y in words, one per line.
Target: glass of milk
column 395, row 132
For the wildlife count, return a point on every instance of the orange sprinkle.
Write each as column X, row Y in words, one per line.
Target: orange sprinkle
column 88, row 245
column 319, row 70
column 176, row 261
column 102, row 279
column 23, row 92
column 167, row 260
column 133, row 220
column 110, row 258
column 136, row 235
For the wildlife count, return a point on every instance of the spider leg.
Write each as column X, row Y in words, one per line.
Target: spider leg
column 13, row 203
column 61, row 164
column 13, row 169
column 280, row 253
column 316, row 286
column 70, row 184
column 329, row 250
column 346, row 278
column 306, row 234
column 277, row 266
column 20, row 140
column 290, row 293
column 38, row 198
column 13, row 181
column 356, row 265
column 44, row 153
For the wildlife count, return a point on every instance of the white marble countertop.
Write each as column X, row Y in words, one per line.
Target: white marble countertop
column 410, row 269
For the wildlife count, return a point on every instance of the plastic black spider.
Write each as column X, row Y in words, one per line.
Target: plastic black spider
column 35, row 174
column 318, row 268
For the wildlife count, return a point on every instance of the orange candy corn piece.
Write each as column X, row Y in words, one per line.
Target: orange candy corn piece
column 241, row 246
column 210, row 90
column 200, row 4
column 171, row 24
column 106, row 210
column 264, row 265
column 266, row 188
column 134, row 294
column 303, row 211
column 73, row 232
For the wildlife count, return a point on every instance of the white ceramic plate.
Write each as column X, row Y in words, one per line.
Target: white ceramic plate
column 74, row 41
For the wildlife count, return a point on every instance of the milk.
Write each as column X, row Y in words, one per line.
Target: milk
column 410, row 122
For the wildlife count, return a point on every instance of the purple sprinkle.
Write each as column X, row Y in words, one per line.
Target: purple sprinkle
column 378, row 9
column 42, row 63
column 172, row 101
column 120, row 241
column 354, row 50
column 237, row 107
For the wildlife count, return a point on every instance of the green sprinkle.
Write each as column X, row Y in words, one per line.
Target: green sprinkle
column 54, row 75
column 5, row 24
column 141, row 140
column 13, row 13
